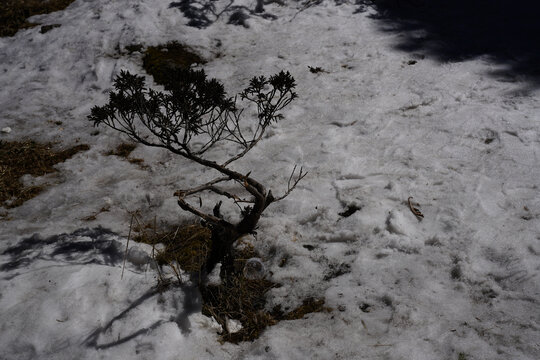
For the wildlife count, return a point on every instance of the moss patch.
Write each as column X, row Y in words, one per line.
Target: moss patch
column 13, row 13
column 20, row 158
column 157, row 60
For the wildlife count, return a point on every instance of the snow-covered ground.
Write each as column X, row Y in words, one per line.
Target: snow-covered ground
column 372, row 130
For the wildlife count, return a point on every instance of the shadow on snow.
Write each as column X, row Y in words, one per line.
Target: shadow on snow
column 506, row 32
column 98, row 246
column 203, row 13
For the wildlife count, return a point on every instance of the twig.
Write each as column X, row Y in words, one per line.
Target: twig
column 209, row 218
column 184, row 193
column 414, row 210
column 307, row 5
column 176, row 272
column 157, row 264
column 290, row 187
column 127, row 244
column 381, row 345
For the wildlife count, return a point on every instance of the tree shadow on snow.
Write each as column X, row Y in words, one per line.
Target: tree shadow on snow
column 192, row 303
column 505, row 31
column 99, row 246
column 203, row 13
column 82, row 247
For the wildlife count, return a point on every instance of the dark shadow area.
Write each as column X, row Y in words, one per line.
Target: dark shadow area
column 203, row 13
column 102, row 247
column 92, row 340
column 83, row 246
column 192, row 303
column 508, row 32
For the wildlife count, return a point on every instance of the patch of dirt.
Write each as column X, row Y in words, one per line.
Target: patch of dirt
column 124, row 150
column 157, row 60
column 13, row 13
column 29, row 157
column 236, row 297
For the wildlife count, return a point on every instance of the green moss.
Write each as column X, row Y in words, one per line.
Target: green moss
column 13, row 13
column 158, row 60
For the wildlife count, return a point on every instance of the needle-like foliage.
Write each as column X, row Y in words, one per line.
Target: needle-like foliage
column 189, row 118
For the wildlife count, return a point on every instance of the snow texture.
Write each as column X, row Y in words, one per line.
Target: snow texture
column 375, row 127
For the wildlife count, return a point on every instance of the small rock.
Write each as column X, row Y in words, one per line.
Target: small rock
column 6, row 130
column 342, row 308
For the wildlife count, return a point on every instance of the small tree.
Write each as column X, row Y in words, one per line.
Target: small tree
column 189, row 119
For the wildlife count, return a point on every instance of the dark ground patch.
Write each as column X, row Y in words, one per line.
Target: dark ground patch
column 13, row 13
column 237, row 297
column 84, row 246
column 29, row 157
column 158, row 60
column 508, row 32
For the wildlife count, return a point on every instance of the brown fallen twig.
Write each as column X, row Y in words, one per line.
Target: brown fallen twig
column 414, row 210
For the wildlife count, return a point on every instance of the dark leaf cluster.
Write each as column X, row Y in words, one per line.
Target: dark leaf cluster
column 191, row 106
column 271, row 94
column 192, row 115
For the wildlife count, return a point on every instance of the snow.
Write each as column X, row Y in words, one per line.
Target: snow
column 372, row 130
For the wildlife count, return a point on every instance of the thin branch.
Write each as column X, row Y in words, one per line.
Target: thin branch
column 202, row 187
column 210, row 187
column 249, row 146
column 127, row 244
column 228, row 195
column 292, row 182
column 209, row 218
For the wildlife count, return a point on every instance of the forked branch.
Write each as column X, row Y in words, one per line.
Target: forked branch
column 294, row 179
column 190, row 118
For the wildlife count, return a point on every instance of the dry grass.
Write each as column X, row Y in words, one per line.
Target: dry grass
column 158, row 60
column 244, row 300
column 240, row 299
column 21, row 158
column 188, row 246
column 236, row 297
column 183, row 247
column 124, row 150
column 13, row 13
column 309, row 305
